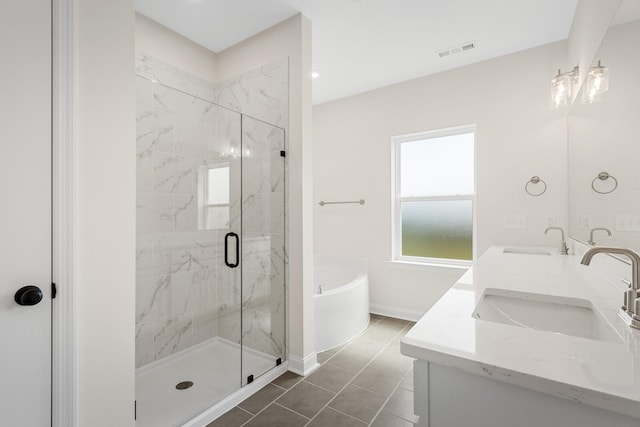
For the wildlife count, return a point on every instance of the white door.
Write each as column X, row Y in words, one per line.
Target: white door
column 25, row 212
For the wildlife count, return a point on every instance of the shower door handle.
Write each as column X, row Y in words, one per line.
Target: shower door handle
column 226, row 250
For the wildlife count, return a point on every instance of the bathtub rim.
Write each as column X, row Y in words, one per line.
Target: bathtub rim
column 360, row 277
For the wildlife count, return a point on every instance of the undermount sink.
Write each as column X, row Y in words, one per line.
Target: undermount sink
column 528, row 251
column 563, row 315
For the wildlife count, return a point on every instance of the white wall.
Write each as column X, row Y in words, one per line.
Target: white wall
column 291, row 38
column 518, row 136
column 160, row 42
column 105, row 211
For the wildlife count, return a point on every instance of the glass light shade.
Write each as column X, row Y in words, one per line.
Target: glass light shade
column 560, row 91
column 597, row 84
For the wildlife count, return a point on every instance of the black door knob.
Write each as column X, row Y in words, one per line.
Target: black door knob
column 28, row 295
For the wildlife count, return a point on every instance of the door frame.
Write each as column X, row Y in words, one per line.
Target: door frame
column 64, row 370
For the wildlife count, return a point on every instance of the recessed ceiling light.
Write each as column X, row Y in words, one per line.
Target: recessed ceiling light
column 315, row 75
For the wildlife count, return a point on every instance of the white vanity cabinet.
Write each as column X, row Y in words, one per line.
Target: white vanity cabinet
column 544, row 369
column 447, row 397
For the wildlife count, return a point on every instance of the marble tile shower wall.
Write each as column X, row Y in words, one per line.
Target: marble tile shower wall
column 185, row 294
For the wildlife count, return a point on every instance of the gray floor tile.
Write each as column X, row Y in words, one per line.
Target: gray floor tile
column 398, row 324
column 374, row 367
column 393, row 347
column 350, row 361
column 393, row 361
column 234, row 418
column 334, row 350
column 378, row 379
column 381, row 333
column 332, row 418
column 387, row 420
column 407, row 382
column 261, row 399
column 330, row 377
column 306, row 399
column 401, row 404
column 287, row 380
column 324, row 356
column 358, row 402
column 366, row 346
column 276, row 415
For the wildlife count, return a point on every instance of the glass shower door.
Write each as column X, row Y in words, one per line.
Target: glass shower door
column 263, row 248
column 222, row 199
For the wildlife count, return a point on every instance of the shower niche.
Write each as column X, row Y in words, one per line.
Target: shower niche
column 210, row 285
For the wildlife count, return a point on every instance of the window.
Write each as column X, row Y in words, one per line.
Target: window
column 213, row 183
column 434, row 186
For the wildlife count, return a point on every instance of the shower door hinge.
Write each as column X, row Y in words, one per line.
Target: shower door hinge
column 135, row 410
column 54, row 290
column 249, row 379
column 283, row 153
column 278, row 361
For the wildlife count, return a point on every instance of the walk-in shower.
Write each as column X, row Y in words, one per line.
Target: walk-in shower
column 210, row 297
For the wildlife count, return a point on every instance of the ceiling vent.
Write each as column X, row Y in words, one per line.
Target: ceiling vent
column 456, row 49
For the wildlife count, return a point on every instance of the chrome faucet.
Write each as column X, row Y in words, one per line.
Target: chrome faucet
column 564, row 250
column 631, row 307
column 591, row 241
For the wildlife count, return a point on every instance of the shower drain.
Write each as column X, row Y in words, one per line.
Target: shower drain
column 184, row 385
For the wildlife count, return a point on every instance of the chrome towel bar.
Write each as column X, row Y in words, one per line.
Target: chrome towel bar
column 322, row 202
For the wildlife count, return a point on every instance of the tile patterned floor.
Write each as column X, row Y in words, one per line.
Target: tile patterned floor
column 366, row 382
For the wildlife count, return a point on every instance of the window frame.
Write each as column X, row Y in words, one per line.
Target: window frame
column 204, row 196
column 397, row 200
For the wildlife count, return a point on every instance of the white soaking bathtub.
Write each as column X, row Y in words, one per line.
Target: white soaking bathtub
column 341, row 300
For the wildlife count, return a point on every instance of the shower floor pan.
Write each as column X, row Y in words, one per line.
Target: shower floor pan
column 214, row 368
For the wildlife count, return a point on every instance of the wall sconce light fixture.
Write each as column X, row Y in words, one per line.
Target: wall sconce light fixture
column 597, row 84
column 561, row 88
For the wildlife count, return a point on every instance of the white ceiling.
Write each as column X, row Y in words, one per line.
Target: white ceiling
column 360, row 45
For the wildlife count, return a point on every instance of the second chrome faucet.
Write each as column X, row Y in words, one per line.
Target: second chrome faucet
column 593, row 242
column 564, row 250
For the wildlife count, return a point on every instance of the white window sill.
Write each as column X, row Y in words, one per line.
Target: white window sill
column 426, row 266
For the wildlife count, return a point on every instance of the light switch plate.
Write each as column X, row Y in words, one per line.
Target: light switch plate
column 628, row 222
column 550, row 220
column 586, row 222
column 515, row 221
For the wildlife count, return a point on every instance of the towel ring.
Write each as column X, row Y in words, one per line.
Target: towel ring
column 603, row 176
column 535, row 180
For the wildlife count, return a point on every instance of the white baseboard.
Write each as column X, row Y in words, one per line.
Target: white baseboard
column 304, row 366
column 398, row 313
column 234, row 399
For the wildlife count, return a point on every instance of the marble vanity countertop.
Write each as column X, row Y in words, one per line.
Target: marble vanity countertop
column 597, row 373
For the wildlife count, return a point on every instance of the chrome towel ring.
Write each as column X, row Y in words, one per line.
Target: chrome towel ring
column 603, row 176
column 534, row 181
